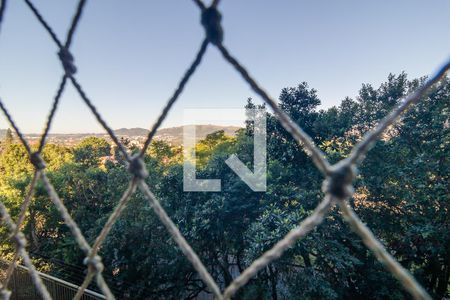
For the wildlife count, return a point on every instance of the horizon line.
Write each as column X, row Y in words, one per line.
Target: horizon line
column 128, row 128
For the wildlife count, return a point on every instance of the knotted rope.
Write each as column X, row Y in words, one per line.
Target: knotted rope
column 337, row 185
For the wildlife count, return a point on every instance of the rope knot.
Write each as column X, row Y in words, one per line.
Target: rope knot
column 339, row 182
column 67, row 60
column 137, row 167
column 211, row 18
column 94, row 263
column 37, row 161
column 5, row 294
column 20, row 240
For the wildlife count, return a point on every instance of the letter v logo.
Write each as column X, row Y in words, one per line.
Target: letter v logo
column 256, row 180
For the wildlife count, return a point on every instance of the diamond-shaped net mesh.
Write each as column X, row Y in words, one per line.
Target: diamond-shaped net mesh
column 337, row 184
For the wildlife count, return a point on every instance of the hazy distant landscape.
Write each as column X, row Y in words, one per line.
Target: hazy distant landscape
column 171, row 135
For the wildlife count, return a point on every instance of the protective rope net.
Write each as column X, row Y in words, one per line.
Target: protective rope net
column 337, row 185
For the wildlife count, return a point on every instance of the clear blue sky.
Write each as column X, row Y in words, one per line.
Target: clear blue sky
column 131, row 54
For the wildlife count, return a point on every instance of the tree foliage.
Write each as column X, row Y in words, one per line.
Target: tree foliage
column 402, row 193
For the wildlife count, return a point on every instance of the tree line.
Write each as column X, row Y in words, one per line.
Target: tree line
column 402, row 193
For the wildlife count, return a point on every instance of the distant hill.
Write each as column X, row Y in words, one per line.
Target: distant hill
column 174, row 135
column 131, row 131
